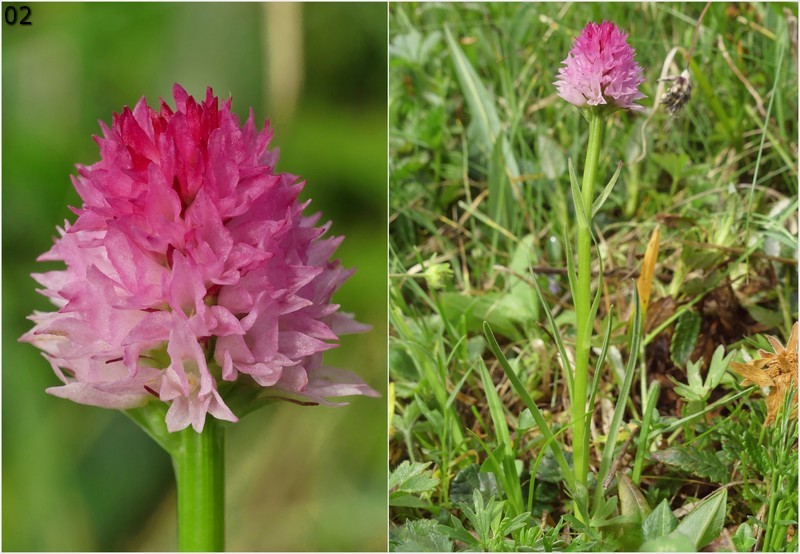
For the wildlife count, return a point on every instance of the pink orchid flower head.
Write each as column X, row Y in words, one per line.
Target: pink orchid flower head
column 191, row 268
column 600, row 71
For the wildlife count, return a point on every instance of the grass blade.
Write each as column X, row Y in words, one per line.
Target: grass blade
column 495, row 406
column 652, row 398
column 577, row 198
column 481, row 104
column 616, row 420
column 600, row 359
column 509, row 473
column 597, row 294
column 501, row 205
column 519, row 388
column 606, row 191
column 502, row 162
column 571, row 273
column 556, row 335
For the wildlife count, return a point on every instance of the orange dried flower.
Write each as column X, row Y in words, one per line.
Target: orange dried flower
column 776, row 370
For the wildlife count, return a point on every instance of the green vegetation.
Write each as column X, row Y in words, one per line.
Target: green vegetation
column 701, row 226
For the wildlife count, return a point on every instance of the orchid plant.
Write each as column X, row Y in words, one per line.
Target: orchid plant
column 195, row 290
column 600, row 77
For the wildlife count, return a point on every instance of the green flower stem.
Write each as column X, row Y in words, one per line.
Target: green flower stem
column 583, row 302
column 199, row 462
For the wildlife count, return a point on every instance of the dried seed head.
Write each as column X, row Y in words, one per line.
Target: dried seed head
column 678, row 94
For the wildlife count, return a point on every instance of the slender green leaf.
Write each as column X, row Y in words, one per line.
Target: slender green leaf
column 598, row 370
column 616, row 420
column 604, row 349
column 727, row 399
column 480, row 102
column 556, row 335
column 544, row 456
column 644, row 434
column 491, row 463
column 496, row 409
column 483, row 110
column 509, row 475
column 598, row 293
column 531, row 405
column 500, row 462
column 501, row 205
column 457, row 388
column 572, row 275
column 606, row 191
column 577, row 198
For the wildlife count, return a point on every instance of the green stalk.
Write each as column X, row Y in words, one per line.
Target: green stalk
column 199, row 463
column 583, row 302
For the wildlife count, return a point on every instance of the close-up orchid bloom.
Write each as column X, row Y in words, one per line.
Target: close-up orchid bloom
column 600, row 70
column 191, row 265
column 225, row 299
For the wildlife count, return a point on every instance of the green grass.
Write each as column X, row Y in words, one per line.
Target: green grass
column 479, row 197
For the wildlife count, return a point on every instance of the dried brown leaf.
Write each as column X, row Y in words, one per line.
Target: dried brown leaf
column 645, row 282
column 777, row 370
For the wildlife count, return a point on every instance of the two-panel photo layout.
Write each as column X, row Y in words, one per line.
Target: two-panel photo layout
column 400, row 277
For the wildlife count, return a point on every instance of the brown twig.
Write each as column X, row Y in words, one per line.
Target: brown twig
column 620, row 273
column 615, row 466
column 694, row 34
column 739, row 75
column 739, row 251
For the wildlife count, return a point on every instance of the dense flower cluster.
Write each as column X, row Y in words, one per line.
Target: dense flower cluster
column 190, row 264
column 599, row 70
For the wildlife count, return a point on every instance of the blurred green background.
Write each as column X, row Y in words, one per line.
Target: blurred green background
column 83, row 478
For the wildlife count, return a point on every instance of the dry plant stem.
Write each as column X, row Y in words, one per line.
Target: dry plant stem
column 694, row 33
column 583, row 303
